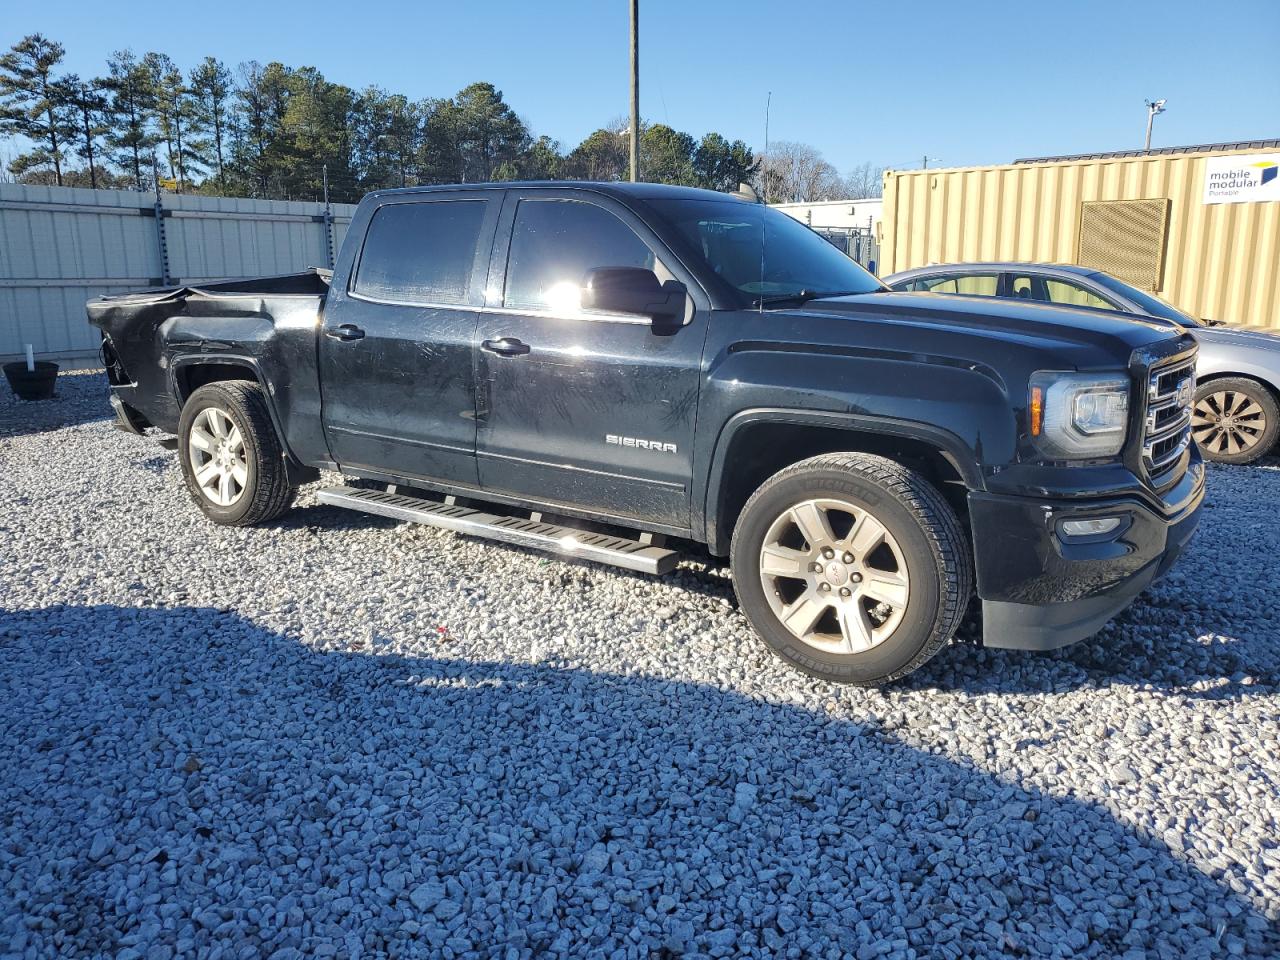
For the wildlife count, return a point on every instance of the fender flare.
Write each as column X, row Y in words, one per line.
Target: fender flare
column 952, row 448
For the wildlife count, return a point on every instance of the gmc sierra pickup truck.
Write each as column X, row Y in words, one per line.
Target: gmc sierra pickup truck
column 626, row 373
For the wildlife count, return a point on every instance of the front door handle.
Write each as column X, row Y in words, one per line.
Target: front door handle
column 345, row 332
column 506, row 347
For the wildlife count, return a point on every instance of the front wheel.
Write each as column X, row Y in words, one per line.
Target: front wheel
column 231, row 457
column 1235, row 420
column 851, row 567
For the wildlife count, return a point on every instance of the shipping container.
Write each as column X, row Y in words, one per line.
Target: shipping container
column 1174, row 224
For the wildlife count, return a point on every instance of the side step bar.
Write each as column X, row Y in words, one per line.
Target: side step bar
column 565, row 541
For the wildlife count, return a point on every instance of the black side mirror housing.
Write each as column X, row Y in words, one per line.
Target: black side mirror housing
column 635, row 290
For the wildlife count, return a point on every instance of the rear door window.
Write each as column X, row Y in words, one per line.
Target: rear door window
column 422, row 252
column 1074, row 295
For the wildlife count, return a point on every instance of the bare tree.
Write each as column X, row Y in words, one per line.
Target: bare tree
column 864, row 182
column 797, row 173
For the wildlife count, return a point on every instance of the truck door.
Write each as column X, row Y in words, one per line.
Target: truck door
column 396, row 368
column 592, row 411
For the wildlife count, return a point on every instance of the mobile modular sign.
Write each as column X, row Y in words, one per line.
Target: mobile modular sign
column 1242, row 178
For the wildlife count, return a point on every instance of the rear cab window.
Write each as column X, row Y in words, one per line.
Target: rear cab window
column 422, row 252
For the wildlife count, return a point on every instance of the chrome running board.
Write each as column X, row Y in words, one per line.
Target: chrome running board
column 550, row 537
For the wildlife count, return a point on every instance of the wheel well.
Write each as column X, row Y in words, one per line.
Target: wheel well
column 1271, row 388
column 760, row 450
column 192, row 376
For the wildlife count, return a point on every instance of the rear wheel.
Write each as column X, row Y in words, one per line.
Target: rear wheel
column 1235, row 420
column 231, row 457
column 851, row 567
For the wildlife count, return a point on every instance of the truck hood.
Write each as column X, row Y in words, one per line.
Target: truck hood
column 959, row 325
column 1013, row 322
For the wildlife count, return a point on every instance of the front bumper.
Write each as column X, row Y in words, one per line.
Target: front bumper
column 1041, row 589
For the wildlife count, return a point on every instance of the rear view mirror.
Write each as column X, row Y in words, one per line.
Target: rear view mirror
column 634, row 290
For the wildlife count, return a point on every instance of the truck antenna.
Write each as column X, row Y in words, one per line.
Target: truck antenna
column 764, row 234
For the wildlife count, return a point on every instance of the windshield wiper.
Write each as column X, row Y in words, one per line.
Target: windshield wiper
column 802, row 296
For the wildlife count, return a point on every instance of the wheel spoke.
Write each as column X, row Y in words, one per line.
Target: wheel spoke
column 201, row 440
column 867, row 535
column 801, row 615
column 779, row 561
column 1236, row 401
column 224, row 487
column 887, row 587
column 1251, row 409
column 207, row 473
column 855, row 628
column 240, row 473
column 234, row 438
column 214, row 420
column 813, row 524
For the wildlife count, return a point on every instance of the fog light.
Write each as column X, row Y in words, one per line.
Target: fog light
column 1090, row 528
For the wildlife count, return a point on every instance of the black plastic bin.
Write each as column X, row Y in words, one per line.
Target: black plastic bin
column 34, row 384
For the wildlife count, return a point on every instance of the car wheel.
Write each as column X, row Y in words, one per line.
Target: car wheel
column 1235, row 420
column 231, row 456
column 851, row 567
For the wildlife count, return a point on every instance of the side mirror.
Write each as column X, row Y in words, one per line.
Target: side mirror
column 634, row 290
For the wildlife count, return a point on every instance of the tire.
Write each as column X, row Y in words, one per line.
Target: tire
column 246, row 455
column 1235, row 420
column 920, row 569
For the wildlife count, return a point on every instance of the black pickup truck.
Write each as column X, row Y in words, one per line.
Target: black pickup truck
column 628, row 373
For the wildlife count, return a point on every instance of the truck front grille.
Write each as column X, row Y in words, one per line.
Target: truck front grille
column 1167, row 432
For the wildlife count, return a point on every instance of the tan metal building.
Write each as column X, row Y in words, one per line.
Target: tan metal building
column 1198, row 226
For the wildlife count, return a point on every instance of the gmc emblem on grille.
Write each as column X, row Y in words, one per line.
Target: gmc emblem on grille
column 658, row 446
column 1185, row 391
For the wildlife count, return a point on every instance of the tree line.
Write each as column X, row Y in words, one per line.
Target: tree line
column 277, row 132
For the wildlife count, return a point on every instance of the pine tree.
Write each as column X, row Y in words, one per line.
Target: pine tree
column 211, row 89
column 33, row 104
column 89, row 106
column 130, row 139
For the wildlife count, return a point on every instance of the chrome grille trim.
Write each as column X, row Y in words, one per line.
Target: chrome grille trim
column 1167, row 424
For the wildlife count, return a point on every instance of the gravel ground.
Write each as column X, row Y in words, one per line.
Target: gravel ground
column 339, row 736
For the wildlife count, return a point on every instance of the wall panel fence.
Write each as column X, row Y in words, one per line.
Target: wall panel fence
column 61, row 246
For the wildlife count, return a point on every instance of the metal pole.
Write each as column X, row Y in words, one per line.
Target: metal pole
column 162, row 243
column 635, row 90
column 1151, row 116
column 328, row 219
column 925, row 165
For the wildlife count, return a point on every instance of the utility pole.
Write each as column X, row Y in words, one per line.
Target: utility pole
column 925, row 164
column 635, row 90
column 1153, row 107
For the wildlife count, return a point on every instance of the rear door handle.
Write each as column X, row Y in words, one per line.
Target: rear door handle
column 345, row 332
column 506, row 347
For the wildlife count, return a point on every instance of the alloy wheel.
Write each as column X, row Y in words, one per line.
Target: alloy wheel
column 834, row 576
column 1230, row 422
column 219, row 460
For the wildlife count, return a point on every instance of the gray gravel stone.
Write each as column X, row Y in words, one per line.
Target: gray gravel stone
column 342, row 736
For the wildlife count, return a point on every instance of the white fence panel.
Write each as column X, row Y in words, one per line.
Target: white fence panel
column 61, row 246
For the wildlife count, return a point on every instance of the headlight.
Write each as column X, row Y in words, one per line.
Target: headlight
column 1079, row 415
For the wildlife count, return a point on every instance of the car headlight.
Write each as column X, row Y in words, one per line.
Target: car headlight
column 1079, row 415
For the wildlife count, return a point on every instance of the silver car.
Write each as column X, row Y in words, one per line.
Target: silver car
column 1236, row 417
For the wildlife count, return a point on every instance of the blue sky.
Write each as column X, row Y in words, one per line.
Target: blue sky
column 887, row 82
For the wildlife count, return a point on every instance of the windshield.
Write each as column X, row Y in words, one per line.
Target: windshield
column 1148, row 302
column 764, row 254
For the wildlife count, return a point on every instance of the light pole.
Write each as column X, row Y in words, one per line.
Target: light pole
column 927, row 160
column 1153, row 107
column 635, row 90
